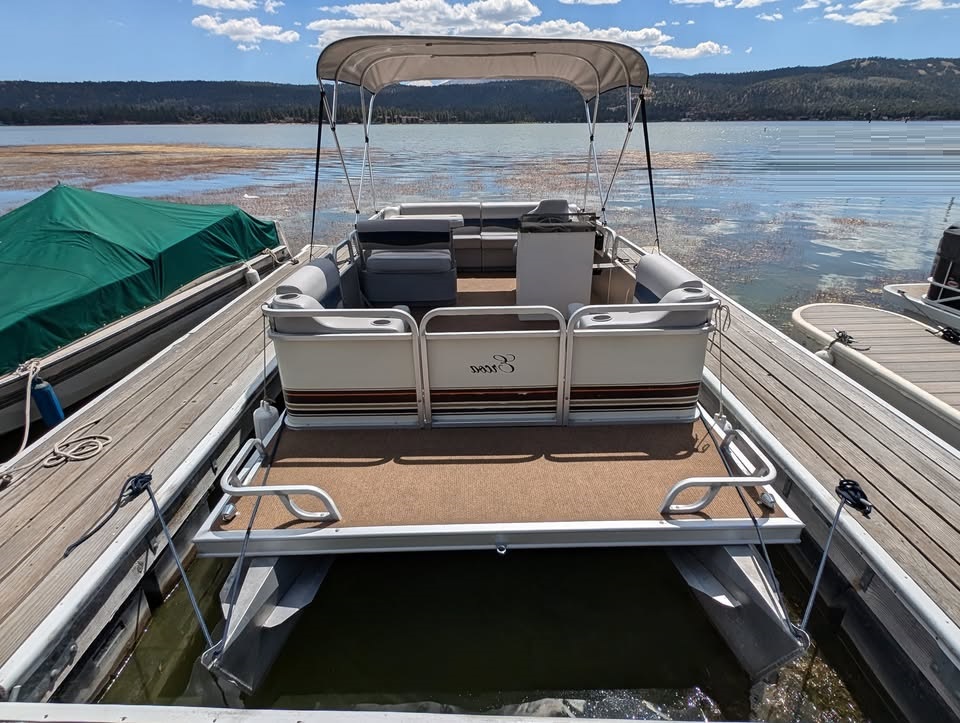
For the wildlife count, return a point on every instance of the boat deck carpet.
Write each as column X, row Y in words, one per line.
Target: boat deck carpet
column 492, row 475
column 486, row 290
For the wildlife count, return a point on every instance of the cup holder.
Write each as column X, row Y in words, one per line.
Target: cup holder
column 601, row 317
column 288, row 297
column 380, row 322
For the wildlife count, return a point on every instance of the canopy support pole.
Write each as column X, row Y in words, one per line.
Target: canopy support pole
column 592, row 150
column 316, row 172
column 366, row 152
column 646, row 143
column 366, row 137
column 631, row 120
column 343, row 163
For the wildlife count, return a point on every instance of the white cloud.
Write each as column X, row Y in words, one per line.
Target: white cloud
column 771, row 18
column 227, row 4
column 749, row 50
column 833, row 8
column 481, row 17
column 701, row 50
column 812, row 4
column 935, row 5
column 862, row 18
column 691, row 22
column 752, row 3
column 272, row 6
column 248, row 33
column 589, row 2
column 715, row 3
column 675, row 22
column 660, row 23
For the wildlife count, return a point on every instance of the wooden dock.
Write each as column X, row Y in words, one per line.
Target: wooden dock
column 836, row 429
column 894, row 581
column 901, row 360
column 180, row 416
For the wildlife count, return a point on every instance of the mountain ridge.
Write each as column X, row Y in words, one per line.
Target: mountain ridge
column 854, row 89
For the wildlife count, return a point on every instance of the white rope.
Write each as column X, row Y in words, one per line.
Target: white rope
column 73, row 448
column 30, row 368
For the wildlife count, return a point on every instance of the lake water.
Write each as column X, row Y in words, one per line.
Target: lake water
column 775, row 214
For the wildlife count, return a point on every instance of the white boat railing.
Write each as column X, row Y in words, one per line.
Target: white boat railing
column 232, row 485
column 531, row 339
column 763, row 474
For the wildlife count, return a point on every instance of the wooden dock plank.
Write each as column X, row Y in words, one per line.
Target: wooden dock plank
column 903, row 346
column 835, row 428
column 148, row 418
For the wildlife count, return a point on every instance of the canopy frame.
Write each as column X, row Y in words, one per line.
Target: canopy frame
column 375, row 62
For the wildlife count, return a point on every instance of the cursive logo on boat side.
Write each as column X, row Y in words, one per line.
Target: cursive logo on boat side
column 502, row 364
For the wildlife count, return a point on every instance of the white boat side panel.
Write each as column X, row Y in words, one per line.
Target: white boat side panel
column 493, row 363
column 641, row 359
column 345, row 363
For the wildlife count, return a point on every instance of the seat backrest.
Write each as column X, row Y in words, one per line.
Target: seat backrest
column 504, row 215
column 553, row 208
column 404, row 231
column 470, row 211
column 657, row 277
column 319, row 280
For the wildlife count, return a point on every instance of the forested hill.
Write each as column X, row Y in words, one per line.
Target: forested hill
column 854, row 89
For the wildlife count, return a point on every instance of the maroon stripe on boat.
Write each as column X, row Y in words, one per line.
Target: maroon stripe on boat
column 636, row 392
column 351, row 396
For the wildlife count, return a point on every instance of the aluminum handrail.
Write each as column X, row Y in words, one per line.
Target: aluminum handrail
column 765, row 474
column 232, row 485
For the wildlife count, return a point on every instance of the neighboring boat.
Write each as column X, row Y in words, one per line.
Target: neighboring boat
column 911, row 365
column 474, row 374
column 96, row 284
column 937, row 301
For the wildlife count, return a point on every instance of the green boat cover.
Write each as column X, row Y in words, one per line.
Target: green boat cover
column 72, row 261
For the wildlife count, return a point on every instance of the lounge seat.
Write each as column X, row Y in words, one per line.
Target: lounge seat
column 501, row 224
column 338, row 369
column 316, row 285
column 408, row 260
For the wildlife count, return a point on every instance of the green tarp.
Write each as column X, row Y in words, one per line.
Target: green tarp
column 72, row 261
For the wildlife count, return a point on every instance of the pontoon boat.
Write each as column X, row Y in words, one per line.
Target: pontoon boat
column 493, row 374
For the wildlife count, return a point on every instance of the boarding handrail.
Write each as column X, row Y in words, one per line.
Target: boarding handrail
column 764, row 474
column 232, row 485
column 486, row 311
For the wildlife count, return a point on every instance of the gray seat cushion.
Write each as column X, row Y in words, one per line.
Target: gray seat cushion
column 385, row 261
column 405, row 231
column 469, row 210
column 328, row 324
column 319, row 279
column 504, row 215
column 657, row 277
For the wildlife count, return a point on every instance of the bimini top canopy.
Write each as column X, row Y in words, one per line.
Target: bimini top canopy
column 376, row 61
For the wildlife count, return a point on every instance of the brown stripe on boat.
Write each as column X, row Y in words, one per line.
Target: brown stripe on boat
column 490, row 394
column 635, row 392
column 326, row 397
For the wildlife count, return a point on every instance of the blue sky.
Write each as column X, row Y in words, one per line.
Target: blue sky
column 277, row 41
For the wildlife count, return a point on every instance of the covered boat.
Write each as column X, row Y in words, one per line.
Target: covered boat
column 96, row 283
